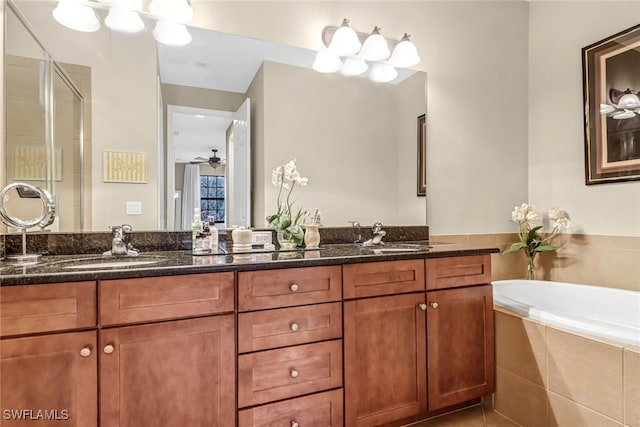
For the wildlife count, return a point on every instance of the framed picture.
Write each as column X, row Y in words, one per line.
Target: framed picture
column 611, row 88
column 122, row 166
column 422, row 155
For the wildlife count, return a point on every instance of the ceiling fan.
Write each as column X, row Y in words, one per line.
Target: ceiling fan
column 214, row 161
column 624, row 104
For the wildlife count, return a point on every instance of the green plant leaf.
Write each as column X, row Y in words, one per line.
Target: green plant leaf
column 515, row 247
column 546, row 248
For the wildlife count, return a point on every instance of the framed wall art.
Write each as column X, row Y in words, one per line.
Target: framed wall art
column 611, row 88
column 422, row 155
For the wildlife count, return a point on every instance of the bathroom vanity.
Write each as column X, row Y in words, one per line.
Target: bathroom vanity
column 330, row 337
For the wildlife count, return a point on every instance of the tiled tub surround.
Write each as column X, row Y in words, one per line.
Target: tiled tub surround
column 546, row 376
column 608, row 261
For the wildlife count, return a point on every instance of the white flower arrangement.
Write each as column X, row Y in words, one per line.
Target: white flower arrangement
column 286, row 177
column 531, row 240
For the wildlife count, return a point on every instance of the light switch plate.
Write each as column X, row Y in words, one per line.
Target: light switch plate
column 261, row 237
column 134, row 208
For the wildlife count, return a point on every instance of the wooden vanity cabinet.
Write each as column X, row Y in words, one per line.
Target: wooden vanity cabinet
column 165, row 372
column 385, row 342
column 290, row 347
column 49, row 378
column 460, row 334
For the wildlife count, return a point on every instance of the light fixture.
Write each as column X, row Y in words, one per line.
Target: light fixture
column 606, row 108
column 375, row 47
column 382, row 72
column 76, row 16
column 353, row 66
column 404, row 54
column 171, row 33
column 175, row 10
column 124, row 17
column 345, row 40
column 373, row 54
column 629, row 101
column 327, row 62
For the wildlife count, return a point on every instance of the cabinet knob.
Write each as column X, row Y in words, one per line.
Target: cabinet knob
column 294, row 287
column 295, row 424
column 433, row 304
column 85, row 352
column 108, row 349
column 294, row 326
column 294, row 373
column 422, row 307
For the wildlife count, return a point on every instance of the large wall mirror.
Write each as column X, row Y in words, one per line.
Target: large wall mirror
column 152, row 112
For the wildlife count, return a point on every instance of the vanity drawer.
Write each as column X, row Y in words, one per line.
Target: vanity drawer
column 322, row 409
column 288, row 287
column 261, row 330
column 383, row 278
column 166, row 297
column 28, row 309
column 272, row 375
column 458, row 271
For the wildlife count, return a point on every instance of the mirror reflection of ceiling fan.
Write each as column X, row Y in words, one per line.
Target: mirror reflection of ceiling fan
column 625, row 104
column 214, row 161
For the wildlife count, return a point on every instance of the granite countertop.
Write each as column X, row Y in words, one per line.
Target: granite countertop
column 64, row 268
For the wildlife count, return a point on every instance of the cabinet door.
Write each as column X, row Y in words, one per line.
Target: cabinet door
column 385, row 369
column 179, row 373
column 50, row 380
column 460, row 345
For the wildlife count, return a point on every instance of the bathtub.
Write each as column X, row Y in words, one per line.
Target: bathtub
column 608, row 313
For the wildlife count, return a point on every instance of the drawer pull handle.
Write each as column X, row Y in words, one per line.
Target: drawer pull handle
column 294, row 326
column 433, row 304
column 294, row 373
column 108, row 349
column 422, row 307
column 294, row 287
column 85, row 352
column 295, row 424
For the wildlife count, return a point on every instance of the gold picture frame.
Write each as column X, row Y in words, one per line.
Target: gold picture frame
column 611, row 131
column 422, row 155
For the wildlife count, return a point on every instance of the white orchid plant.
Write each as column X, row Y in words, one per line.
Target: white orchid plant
column 531, row 239
column 286, row 177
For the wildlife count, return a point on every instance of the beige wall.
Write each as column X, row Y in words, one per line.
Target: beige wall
column 258, row 170
column 558, row 31
column 116, row 81
column 475, row 56
column 346, row 136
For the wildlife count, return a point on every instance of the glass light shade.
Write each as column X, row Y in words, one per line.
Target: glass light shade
column 345, row 41
column 626, row 114
column 629, row 100
column 353, row 66
column 170, row 33
column 382, row 73
column 375, row 47
column 327, row 62
column 404, row 54
column 123, row 20
column 175, row 10
column 76, row 16
column 606, row 108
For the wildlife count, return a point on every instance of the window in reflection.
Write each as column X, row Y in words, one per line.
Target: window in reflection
column 212, row 197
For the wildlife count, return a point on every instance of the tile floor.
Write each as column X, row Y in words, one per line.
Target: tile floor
column 477, row 416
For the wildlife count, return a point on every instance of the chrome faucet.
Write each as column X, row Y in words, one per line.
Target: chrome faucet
column 378, row 234
column 121, row 244
column 356, row 226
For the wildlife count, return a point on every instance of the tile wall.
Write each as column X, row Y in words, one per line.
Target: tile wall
column 610, row 261
column 549, row 377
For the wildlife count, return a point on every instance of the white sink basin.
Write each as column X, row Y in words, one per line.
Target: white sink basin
column 398, row 247
column 98, row 263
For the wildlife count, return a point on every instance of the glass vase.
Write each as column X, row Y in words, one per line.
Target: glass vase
column 285, row 240
column 531, row 268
